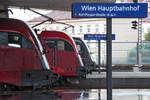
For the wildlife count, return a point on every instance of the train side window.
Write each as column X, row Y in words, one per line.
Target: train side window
column 68, row 47
column 60, row 44
column 26, row 44
column 14, row 40
column 4, row 38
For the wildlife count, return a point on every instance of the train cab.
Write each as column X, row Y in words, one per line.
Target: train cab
column 85, row 55
column 22, row 61
column 62, row 53
column 83, row 51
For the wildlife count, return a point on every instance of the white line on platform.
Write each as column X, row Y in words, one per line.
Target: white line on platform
column 121, row 75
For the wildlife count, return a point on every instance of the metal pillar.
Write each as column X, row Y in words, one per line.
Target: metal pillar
column 99, row 55
column 99, row 94
column 109, row 58
column 4, row 12
column 139, row 44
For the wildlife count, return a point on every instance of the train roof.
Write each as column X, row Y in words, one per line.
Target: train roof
column 18, row 26
column 8, row 24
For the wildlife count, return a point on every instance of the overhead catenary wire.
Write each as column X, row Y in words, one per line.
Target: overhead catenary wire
column 49, row 19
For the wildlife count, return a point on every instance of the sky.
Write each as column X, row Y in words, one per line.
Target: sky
column 25, row 15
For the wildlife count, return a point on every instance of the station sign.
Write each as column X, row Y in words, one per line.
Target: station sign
column 118, row 10
column 97, row 37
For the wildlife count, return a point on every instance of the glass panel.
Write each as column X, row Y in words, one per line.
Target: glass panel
column 26, row 44
column 14, row 40
column 68, row 47
column 60, row 45
column 3, row 38
column 50, row 43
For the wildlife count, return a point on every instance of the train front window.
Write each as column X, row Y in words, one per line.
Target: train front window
column 68, row 47
column 50, row 43
column 64, row 45
column 59, row 44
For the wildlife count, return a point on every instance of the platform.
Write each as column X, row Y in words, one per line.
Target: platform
column 120, row 80
column 121, row 75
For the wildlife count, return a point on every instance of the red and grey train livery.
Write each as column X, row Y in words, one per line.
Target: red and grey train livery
column 62, row 54
column 22, row 58
column 26, row 60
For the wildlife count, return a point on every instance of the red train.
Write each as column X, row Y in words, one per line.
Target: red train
column 62, row 54
column 22, row 58
column 85, row 55
column 24, row 61
column 84, row 52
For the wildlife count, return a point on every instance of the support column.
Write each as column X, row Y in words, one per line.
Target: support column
column 3, row 12
column 109, row 58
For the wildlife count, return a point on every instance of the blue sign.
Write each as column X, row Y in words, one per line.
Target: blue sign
column 98, row 10
column 97, row 36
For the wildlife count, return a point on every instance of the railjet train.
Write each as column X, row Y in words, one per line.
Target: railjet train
column 67, row 56
column 62, row 54
column 26, row 60
column 85, row 54
column 22, row 58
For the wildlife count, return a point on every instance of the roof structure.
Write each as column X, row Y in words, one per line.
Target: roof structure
column 64, row 5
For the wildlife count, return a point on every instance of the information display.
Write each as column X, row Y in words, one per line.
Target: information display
column 97, row 37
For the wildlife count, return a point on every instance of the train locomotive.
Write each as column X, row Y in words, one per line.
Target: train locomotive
column 62, row 54
column 27, row 60
column 22, row 58
column 85, row 55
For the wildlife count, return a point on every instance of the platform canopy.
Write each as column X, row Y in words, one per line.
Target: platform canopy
column 49, row 4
